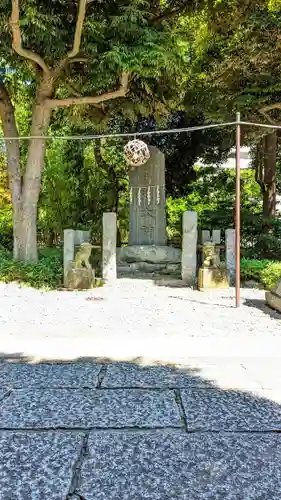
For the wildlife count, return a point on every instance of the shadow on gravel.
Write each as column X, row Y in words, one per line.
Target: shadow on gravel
column 187, row 299
column 261, row 306
column 155, row 431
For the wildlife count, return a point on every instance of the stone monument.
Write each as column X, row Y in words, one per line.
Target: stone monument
column 148, row 201
column 147, row 251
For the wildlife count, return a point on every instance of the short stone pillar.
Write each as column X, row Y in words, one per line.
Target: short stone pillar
column 205, row 236
column 68, row 251
column 109, row 242
column 216, row 236
column 81, row 237
column 189, row 248
column 230, row 254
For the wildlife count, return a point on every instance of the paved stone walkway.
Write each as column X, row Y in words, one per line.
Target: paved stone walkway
column 108, row 431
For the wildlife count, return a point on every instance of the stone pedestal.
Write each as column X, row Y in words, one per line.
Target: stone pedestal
column 209, row 277
column 273, row 298
column 79, row 279
column 109, row 242
column 151, row 260
column 189, row 247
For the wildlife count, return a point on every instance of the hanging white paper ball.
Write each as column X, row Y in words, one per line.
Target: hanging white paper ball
column 136, row 153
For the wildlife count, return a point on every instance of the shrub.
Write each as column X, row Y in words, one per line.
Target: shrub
column 266, row 272
column 6, row 231
column 46, row 274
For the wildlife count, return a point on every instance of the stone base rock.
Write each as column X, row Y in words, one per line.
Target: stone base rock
column 79, row 279
column 151, row 254
column 212, row 278
column 273, row 300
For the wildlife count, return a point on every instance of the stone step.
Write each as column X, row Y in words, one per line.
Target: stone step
column 146, row 267
column 159, row 279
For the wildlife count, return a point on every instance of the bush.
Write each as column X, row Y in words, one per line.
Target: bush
column 6, row 231
column 46, row 274
column 266, row 272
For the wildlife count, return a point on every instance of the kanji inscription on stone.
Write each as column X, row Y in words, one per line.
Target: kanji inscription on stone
column 147, row 201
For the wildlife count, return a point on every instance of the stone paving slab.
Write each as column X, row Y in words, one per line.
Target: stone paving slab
column 85, row 408
column 4, row 392
column 226, row 374
column 20, row 375
column 37, row 465
column 178, row 466
column 215, row 410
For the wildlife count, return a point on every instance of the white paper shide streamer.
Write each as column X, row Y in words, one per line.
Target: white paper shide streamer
column 148, row 195
column 158, row 195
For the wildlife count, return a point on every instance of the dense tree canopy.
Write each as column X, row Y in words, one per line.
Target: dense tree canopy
column 86, row 53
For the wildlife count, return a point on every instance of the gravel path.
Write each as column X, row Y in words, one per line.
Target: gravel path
column 137, row 317
column 207, row 428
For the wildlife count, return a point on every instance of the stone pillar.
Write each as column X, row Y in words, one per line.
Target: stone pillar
column 216, row 239
column 216, row 236
column 230, row 254
column 148, row 201
column 68, row 250
column 205, row 236
column 109, row 242
column 189, row 247
column 81, row 237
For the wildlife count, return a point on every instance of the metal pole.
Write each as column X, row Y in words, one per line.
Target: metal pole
column 237, row 213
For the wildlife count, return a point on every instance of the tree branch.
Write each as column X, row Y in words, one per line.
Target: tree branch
column 276, row 105
column 169, row 13
column 72, row 90
column 17, row 41
column 78, row 29
column 78, row 60
column 264, row 112
column 73, row 55
column 107, row 96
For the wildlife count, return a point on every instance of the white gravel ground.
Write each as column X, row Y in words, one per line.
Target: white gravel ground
column 137, row 318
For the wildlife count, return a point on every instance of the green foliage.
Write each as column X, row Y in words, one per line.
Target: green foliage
column 212, row 196
column 81, row 181
column 266, row 272
column 46, row 274
column 261, row 236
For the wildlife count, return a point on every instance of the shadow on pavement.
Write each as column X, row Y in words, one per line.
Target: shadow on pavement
column 95, row 429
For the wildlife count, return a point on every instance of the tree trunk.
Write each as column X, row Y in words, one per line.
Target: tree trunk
column 269, row 195
column 13, row 162
column 32, row 182
column 25, row 192
column 266, row 172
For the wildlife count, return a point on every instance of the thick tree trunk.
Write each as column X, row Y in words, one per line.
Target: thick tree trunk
column 13, row 162
column 266, row 172
column 32, row 182
column 25, row 192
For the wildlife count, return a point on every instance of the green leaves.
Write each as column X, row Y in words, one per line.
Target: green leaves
column 265, row 272
column 47, row 273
